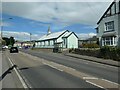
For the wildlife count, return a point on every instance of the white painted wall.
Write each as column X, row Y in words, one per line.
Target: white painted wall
column 101, row 26
column 72, row 41
column 116, row 19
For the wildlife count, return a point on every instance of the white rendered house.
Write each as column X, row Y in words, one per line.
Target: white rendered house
column 108, row 30
column 63, row 39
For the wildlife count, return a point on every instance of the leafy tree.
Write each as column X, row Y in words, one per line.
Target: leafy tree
column 3, row 42
column 12, row 41
column 7, row 40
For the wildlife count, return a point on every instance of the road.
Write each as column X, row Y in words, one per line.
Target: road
column 95, row 69
column 51, row 70
column 8, row 78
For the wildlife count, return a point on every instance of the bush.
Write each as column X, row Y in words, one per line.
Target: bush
column 71, row 50
column 87, row 52
column 92, row 45
column 110, row 53
column 105, row 52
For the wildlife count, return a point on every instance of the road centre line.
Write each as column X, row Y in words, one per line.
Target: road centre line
column 19, row 76
column 94, row 84
column 110, row 82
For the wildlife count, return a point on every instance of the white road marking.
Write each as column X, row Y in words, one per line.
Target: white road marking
column 110, row 81
column 94, row 84
column 90, row 78
column 53, row 67
column 20, row 78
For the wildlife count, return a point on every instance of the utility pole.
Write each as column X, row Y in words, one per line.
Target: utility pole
column 30, row 39
column 2, row 21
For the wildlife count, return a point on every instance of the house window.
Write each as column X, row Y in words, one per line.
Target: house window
column 109, row 41
column 51, row 42
column 48, row 43
column 109, row 26
column 40, row 43
column 64, row 41
column 44, row 43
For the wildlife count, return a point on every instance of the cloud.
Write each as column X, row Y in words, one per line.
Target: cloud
column 26, row 36
column 57, row 0
column 64, row 13
column 83, row 36
column 21, row 35
column 5, row 24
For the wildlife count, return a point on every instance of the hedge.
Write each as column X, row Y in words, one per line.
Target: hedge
column 104, row 52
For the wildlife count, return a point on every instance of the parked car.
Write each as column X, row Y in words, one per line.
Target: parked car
column 5, row 47
column 13, row 50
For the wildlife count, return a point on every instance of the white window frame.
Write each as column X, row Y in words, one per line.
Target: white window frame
column 109, row 26
column 110, row 40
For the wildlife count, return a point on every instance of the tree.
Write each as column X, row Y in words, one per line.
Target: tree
column 12, row 41
column 7, row 40
column 3, row 42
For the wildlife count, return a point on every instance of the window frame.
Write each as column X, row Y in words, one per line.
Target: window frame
column 108, row 25
column 110, row 40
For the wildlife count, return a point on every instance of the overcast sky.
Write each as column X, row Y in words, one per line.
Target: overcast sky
column 35, row 17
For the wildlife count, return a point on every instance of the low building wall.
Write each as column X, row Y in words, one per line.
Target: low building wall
column 44, row 49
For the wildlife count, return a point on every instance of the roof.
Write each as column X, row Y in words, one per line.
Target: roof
column 53, row 35
column 106, row 11
column 67, row 34
column 109, row 34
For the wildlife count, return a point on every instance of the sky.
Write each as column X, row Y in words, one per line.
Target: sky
column 19, row 19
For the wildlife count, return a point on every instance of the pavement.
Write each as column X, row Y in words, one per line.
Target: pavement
column 94, row 59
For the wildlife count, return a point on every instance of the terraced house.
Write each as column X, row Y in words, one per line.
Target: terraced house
column 108, row 30
column 63, row 39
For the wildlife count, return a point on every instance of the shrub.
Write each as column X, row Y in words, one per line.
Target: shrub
column 71, row 50
column 105, row 52
column 92, row 45
column 108, row 52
